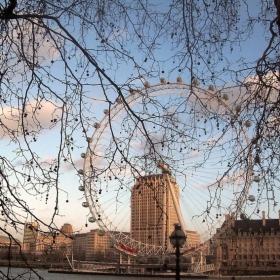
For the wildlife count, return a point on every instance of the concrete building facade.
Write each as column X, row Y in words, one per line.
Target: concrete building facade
column 97, row 242
column 80, row 246
column 152, row 210
column 37, row 242
column 30, row 237
column 9, row 246
column 193, row 238
column 94, row 245
column 249, row 245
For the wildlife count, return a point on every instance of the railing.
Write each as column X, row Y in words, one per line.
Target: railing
column 201, row 268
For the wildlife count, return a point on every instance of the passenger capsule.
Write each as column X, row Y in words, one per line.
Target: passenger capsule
column 225, row 96
column 132, row 91
column 83, row 155
column 237, row 108
column 257, row 179
column 248, row 123
column 195, row 82
column 96, row 125
column 85, row 204
column 251, row 198
column 211, row 88
column 81, row 171
column 147, row 85
column 179, row 80
column 91, row 219
column 81, row 188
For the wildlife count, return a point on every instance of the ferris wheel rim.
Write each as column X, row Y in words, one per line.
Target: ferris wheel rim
column 120, row 237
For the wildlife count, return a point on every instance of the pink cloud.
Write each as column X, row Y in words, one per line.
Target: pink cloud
column 36, row 117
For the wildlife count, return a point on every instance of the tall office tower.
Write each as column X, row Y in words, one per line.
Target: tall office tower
column 153, row 213
column 30, row 236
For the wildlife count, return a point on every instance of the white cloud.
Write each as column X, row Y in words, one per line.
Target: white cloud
column 43, row 49
column 36, row 116
column 270, row 79
column 268, row 84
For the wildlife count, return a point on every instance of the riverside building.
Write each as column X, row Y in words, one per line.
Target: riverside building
column 37, row 242
column 249, row 246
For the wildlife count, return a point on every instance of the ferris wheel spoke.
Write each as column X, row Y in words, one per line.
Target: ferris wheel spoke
column 195, row 132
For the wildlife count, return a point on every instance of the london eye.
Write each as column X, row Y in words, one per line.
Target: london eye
column 201, row 138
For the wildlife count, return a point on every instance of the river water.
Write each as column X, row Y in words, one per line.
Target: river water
column 42, row 274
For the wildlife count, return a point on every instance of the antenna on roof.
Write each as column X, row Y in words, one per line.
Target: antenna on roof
column 164, row 167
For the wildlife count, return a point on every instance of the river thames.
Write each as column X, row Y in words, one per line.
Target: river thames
column 42, row 274
column 20, row 274
column 24, row 274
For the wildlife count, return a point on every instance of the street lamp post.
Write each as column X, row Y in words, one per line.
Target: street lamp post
column 177, row 239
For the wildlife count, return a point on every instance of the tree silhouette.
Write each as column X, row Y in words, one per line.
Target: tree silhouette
column 63, row 62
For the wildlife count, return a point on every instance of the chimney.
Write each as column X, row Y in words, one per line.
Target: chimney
column 263, row 218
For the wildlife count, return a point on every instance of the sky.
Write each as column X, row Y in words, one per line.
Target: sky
column 70, row 198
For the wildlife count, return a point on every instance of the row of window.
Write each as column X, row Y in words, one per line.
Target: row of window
column 252, row 257
column 255, row 245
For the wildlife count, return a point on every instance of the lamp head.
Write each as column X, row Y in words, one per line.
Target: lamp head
column 177, row 237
